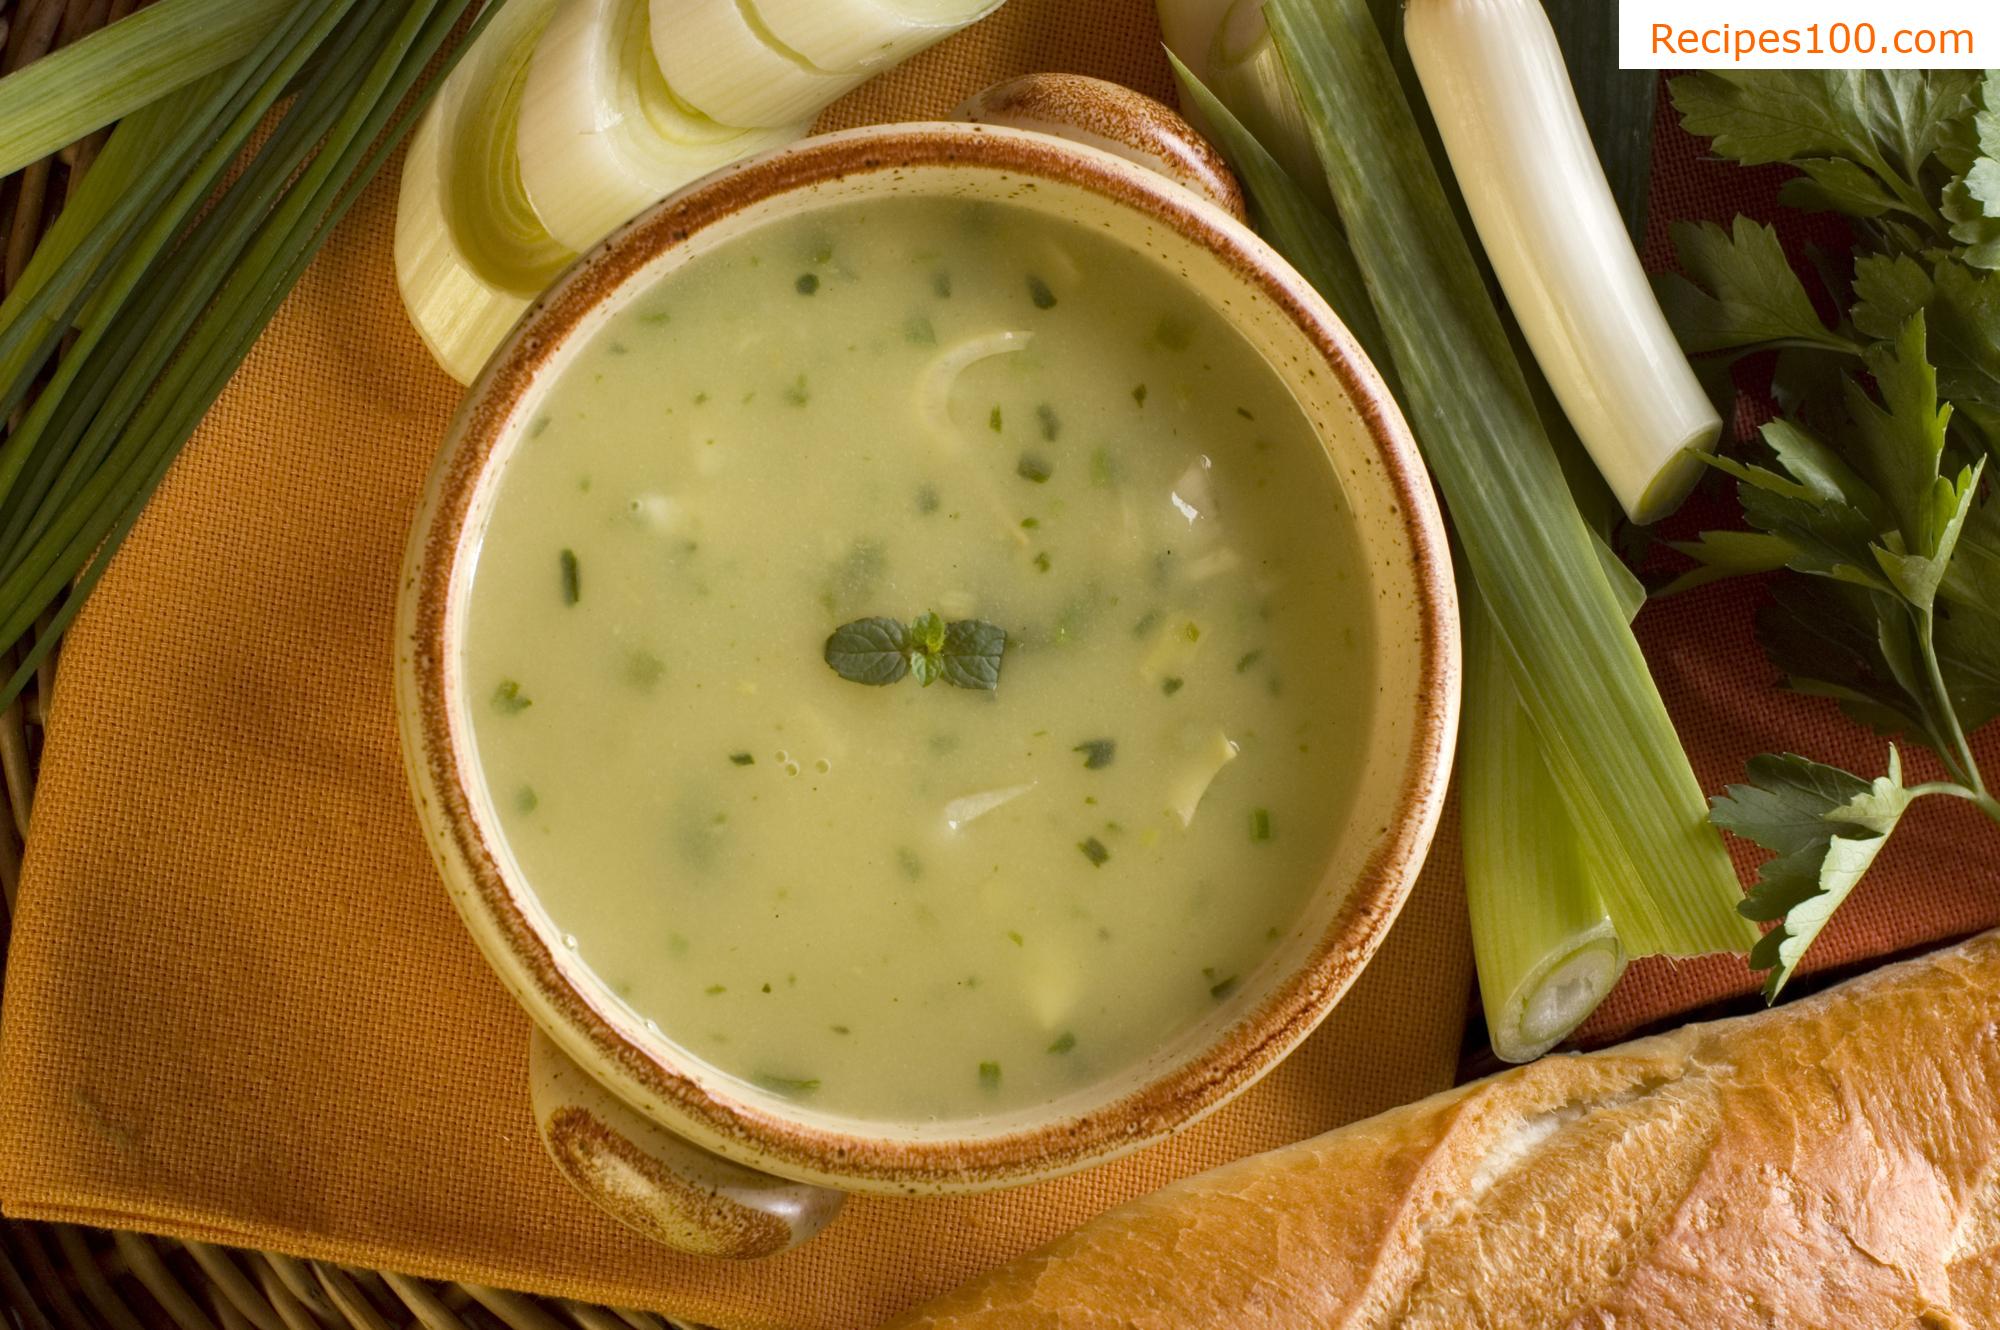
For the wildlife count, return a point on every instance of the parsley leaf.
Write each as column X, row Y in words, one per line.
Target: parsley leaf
column 1873, row 491
column 1887, row 124
column 1903, row 439
column 1825, row 827
column 1097, row 753
column 1972, row 200
column 1740, row 291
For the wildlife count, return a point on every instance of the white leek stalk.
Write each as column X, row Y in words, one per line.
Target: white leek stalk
column 470, row 251
column 865, row 34
column 601, row 134
column 1227, row 45
column 721, row 59
column 1497, row 87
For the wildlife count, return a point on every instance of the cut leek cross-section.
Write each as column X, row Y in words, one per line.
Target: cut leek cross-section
column 470, row 251
column 720, row 58
column 601, row 134
column 865, row 34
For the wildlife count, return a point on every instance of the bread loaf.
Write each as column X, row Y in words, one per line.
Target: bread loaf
column 1830, row 1163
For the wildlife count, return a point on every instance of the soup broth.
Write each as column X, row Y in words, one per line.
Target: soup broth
column 905, row 902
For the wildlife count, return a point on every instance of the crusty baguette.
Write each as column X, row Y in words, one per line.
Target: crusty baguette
column 1829, row 1164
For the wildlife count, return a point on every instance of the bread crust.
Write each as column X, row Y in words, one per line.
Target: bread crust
column 1828, row 1165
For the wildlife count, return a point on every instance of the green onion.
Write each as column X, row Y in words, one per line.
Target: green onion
column 167, row 310
column 1584, row 683
column 120, row 68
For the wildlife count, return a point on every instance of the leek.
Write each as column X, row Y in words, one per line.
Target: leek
column 1618, row 104
column 1226, row 46
column 865, row 34
column 470, row 250
column 1611, row 748
column 1502, row 101
column 1545, row 946
column 720, row 59
column 121, row 67
column 1290, row 218
column 601, row 134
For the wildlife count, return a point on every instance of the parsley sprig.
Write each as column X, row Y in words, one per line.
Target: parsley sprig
column 1871, row 490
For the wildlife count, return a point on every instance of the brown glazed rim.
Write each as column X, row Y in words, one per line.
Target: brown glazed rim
column 750, row 1132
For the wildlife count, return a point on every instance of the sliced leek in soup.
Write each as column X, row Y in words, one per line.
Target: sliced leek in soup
column 906, row 868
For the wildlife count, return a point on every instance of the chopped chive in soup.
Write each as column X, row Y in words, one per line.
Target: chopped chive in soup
column 1260, row 824
column 1023, row 865
column 572, row 578
column 1097, row 753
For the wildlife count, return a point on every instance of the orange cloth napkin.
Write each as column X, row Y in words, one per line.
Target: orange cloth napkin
column 239, row 1006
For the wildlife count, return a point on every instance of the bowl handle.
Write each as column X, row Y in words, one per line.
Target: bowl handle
column 1116, row 119
column 651, row 1180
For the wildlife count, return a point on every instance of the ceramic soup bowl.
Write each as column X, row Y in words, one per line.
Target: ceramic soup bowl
column 711, row 1164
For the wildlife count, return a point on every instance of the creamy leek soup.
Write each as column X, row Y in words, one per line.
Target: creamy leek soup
column 699, row 632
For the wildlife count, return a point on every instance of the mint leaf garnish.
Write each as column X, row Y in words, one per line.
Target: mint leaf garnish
column 877, row 651
column 971, row 655
column 872, row 651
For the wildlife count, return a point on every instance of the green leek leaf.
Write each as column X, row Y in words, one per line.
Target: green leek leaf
column 1613, row 749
